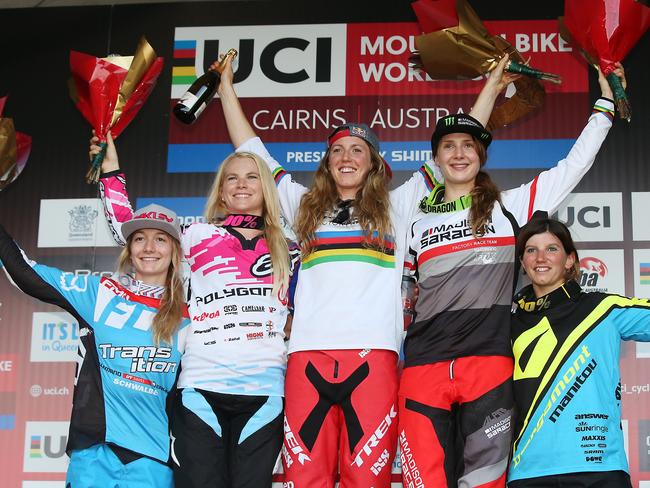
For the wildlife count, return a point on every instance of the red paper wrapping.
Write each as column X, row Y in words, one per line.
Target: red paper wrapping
column 15, row 148
column 606, row 30
column 110, row 95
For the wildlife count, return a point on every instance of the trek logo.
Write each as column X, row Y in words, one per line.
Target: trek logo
column 379, row 433
column 291, row 444
column 144, row 359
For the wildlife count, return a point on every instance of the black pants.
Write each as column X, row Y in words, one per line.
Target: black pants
column 604, row 479
column 225, row 441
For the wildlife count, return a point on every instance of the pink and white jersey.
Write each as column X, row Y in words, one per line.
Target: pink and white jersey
column 235, row 343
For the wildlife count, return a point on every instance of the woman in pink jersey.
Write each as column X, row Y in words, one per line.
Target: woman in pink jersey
column 341, row 384
column 227, row 422
column 456, row 393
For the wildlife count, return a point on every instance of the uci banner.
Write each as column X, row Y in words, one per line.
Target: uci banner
column 297, row 82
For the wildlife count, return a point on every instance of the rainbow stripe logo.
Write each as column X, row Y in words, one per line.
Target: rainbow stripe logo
column 644, row 273
column 351, row 246
column 183, row 70
column 35, row 447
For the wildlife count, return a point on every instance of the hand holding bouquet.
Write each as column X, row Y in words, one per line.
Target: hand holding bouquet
column 110, row 91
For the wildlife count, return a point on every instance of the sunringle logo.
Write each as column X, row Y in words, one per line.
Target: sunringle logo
column 271, row 62
column 45, row 444
column 78, row 222
column 37, row 390
column 602, row 270
column 593, row 216
column 55, row 337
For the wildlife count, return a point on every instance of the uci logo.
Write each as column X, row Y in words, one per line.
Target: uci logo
column 589, row 216
column 273, row 60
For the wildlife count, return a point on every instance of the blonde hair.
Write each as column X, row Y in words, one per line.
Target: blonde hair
column 371, row 204
column 172, row 302
column 216, row 211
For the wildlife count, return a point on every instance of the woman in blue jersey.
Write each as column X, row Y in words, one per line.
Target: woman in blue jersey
column 130, row 328
column 566, row 347
column 227, row 422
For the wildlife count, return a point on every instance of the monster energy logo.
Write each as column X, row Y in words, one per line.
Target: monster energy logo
column 450, row 121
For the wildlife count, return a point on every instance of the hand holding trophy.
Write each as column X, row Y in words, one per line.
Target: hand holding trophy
column 110, row 91
column 14, row 149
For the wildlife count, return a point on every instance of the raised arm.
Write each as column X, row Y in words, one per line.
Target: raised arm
column 551, row 187
column 495, row 84
column 239, row 128
column 112, row 189
column 44, row 283
column 243, row 137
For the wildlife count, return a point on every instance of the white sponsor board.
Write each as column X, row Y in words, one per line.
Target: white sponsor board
column 55, row 337
column 73, row 222
column 602, row 270
column 640, row 220
column 593, row 216
column 274, row 60
column 45, row 444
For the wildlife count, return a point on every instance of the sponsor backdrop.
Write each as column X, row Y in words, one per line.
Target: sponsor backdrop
column 304, row 68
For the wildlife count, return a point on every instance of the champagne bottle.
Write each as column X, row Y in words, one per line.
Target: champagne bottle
column 201, row 92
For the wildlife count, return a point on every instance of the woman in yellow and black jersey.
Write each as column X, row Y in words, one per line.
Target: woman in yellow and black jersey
column 566, row 346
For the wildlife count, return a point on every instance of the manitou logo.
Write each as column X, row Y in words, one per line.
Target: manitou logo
column 380, row 432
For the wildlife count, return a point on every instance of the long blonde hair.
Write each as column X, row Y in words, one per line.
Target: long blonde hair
column 371, row 204
column 172, row 302
column 216, row 211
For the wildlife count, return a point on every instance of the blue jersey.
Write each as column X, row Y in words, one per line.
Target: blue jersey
column 567, row 379
column 123, row 379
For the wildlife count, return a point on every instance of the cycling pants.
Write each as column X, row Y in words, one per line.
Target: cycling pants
column 99, row 466
column 455, row 423
column 225, row 441
column 593, row 479
column 341, row 412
